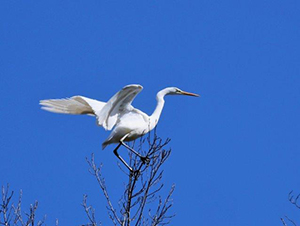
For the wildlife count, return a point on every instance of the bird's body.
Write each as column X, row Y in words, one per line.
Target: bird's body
column 126, row 122
column 132, row 125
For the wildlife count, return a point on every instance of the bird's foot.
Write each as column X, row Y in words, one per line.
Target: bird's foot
column 145, row 160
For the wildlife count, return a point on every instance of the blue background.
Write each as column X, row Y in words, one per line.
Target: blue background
column 235, row 150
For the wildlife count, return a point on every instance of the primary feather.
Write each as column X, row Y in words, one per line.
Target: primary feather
column 107, row 114
column 76, row 105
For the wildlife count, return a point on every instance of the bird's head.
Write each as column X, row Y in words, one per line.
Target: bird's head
column 177, row 91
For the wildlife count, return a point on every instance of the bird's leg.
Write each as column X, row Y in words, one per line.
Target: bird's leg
column 143, row 159
column 121, row 159
column 130, row 149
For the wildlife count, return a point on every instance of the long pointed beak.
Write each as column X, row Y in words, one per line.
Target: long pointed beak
column 190, row 94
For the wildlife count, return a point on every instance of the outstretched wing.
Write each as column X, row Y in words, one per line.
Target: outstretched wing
column 76, row 105
column 107, row 113
column 119, row 104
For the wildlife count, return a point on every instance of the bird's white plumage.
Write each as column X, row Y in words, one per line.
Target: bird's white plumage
column 117, row 106
column 76, row 105
column 107, row 114
column 126, row 122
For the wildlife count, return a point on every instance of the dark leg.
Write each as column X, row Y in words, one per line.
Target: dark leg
column 121, row 159
column 130, row 149
column 144, row 159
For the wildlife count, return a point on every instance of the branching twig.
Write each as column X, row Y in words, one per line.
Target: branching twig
column 90, row 212
column 290, row 220
column 12, row 215
column 283, row 221
column 142, row 187
column 6, row 208
column 293, row 199
column 96, row 171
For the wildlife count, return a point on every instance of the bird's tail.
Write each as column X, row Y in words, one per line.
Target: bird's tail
column 108, row 141
column 104, row 144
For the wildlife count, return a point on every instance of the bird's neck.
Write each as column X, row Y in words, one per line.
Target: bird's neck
column 157, row 112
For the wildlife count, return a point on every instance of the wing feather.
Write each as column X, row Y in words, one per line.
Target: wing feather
column 117, row 105
column 76, row 105
column 107, row 113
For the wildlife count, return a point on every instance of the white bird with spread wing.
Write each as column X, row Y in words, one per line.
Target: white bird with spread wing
column 126, row 122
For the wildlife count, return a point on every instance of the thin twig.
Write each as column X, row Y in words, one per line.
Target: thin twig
column 96, row 171
column 142, row 187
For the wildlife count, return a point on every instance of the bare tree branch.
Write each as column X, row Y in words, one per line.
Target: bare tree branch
column 90, row 212
column 293, row 199
column 12, row 215
column 6, row 209
column 283, row 222
column 96, row 171
column 142, row 187
column 290, row 220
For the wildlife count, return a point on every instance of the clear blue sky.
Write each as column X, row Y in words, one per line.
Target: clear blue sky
column 235, row 150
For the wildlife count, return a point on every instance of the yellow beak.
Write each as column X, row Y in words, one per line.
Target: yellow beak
column 190, row 94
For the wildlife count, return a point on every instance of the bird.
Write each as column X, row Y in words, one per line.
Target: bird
column 117, row 114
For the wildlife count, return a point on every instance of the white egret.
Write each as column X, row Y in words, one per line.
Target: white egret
column 126, row 122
